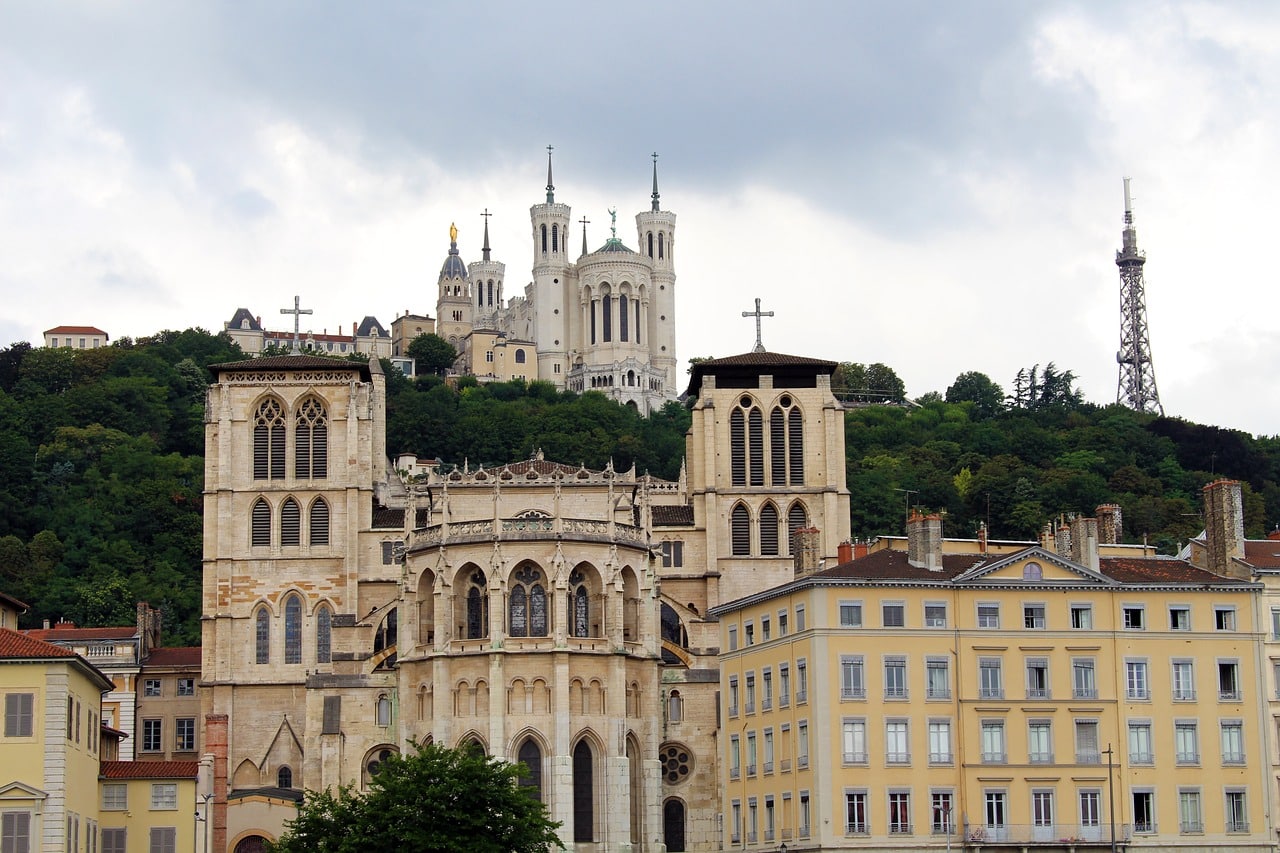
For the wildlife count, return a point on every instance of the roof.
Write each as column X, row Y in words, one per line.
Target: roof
column 368, row 326
column 238, row 319
column 269, row 792
column 614, row 245
column 14, row 603
column 72, row 635
column 291, row 362
column 149, row 769
column 174, row 656
column 672, row 516
column 15, row 645
column 893, row 565
column 453, row 266
column 385, row 517
column 755, row 364
column 1161, row 570
column 76, row 330
column 1262, row 553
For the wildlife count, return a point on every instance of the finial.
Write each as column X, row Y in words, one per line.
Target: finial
column 486, row 216
column 551, row 185
column 585, row 222
column 613, row 223
column 453, row 233
column 655, row 182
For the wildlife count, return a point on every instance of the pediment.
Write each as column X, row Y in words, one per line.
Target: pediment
column 21, row 791
column 1034, row 567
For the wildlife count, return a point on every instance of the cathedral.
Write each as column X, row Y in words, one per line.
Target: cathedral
column 605, row 321
column 542, row 612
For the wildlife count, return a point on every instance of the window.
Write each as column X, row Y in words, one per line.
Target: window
column 262, row 636
column 1039, row 742
column 151, row 687
column 1140, row 743
column 733, row 696
column 751, row 693
column 737, row 822
column 1190, row 818
column 994, row 802
column 804, row 814
column 851, row 614
column 1237, row 817
column 1133, row 617
column 1087, row 742
column 735, row 757
column 1224, row 618
column 751, row 753
column 769, row 530
column 1033, row 616
column 115, row 796
column 1232, row 742
column 15, row 832
column 988, row 615
column 802, row 744
column 318, row 523
column 1186, row 742
column 293, row 629
column 899, row 813
column 1091, row 811
column 854, row 733
column 768, row 750
column 527, row 603
column 895, row 678
column 672, row 554
column 1083, row 682
column 290, row 522
column 1179, row 618
column 799, row 617
column 993, row 748
column 990, row 684
column 164, row 839
column 151, row 730
column 268, row 441
column 784, row 685
column 185, row 734
column 766, row 680
column 1228, row 681
column 260, row 524
column 114, row 840
column 1144, row 811
column 1275, row 624
column 1042, row 815
column 897, row 743
column 1135, row 678
column 750, row 633
column 893, row 615
column 1082, row 617
column 324, row 634
column 733, row 638
column 940, row 808
column 740, row 531
column 19, row 712
column 802, row 681
column 937, row 678
column 940, row 742
column 186, row 687
column 1037, row 678
column 935, row 615
column 1032, row 572
column 855, row 813
column 164, row 796
column 311, row 441
column 782, row 623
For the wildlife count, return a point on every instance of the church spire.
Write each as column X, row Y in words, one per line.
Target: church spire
column 551, row 185
column 655, row 182
column 485, row 250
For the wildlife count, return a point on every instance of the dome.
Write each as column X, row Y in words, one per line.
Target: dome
column 453, row 265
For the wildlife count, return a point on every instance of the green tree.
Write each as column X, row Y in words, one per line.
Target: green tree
column 431, row 353
column 434, row 799
column 977, row 388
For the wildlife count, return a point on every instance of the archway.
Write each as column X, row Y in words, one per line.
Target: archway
column 251, row 844
column 584, row 813
column 673, row 825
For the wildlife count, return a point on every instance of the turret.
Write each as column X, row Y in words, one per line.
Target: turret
column 551, row 274
column 453, row 305
column 656, row 230
column 486, row 277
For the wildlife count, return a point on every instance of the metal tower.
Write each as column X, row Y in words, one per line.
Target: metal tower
column 1137, row 385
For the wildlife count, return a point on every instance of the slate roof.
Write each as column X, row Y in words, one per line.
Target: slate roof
column 15, row 645
column 672, row 516
column 174, row 656
column 238, row 318
column 290, row 362
column 149, row 769
column 368, row 326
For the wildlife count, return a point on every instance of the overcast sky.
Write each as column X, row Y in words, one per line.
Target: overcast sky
column 936, row 185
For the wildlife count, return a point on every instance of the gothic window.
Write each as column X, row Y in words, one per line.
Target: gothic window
column 290, row 522
column 755, row 445
column 382, row 711
column 311, row 441
column 544, row 239
column 385, row 639
column 795, row 441
column 636, row 302
column 261, row 529
column 324, row 634
column 650, row 239
column 593, row 321
column 490, row 293
column 622, row 317
column 479, row 297
column 262, row 636
column 527, row 608
column 555, row 238
column 584, row 818
column 284, row 777
column 477, row 607
column 769, row 530
column 530, row 756
column 661, row 241
column 797, row 518
column 375, row 760
column 607, row 306
column 579, row 605
column 268, row 441
column 673, row 825
column 318, row 523
column 293, row 629
column 738, row 447
column 740, row 531
column 675, row 707
column 677, row 761
column 671, row 627
column 777, row 447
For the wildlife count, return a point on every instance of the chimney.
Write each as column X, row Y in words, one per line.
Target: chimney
column 1224, row 528
column 1110, row 524
column 46, row 624
column 215, row 742
column 924, row 541
column 845, row 552
column 1046, row 536
column 806, row 544
column 861, row 548
column 1062, row 539
column 982, row 537
column 1274, row 535
column 1084, row 542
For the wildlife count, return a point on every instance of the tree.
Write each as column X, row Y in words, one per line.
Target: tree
column 977, row 388
column 432, row 799
column 431, row 353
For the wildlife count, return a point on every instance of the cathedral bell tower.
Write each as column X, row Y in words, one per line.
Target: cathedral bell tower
column 453, row 304
column 486, row 282
column 551, row 283
column 656, row 230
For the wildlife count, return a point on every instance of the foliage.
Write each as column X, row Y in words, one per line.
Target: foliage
column 432, row 799
column 867, row 383
column 431, row 354
column 1036, row 390
column 977, row 388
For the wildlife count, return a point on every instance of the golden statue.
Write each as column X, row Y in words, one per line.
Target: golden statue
column 453, row 233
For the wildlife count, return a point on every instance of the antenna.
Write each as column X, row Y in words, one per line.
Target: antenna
column 1136, row 386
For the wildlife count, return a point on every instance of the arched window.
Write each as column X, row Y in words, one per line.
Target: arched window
column 293, row 629
column 324, row 634
column 385, row 639
column 622, row 317
column 544, row 239
column 480, row 297
column 579, row 605
column 383, row 711
column 311, row 441
column 490, row 293
column 593, row 321
column 519, row 356
column 795, row 438
column 284, row 777
column 797, row 518
column 755, row 445
column 607, row 306
column 477, row 607
column 649, row 237
column 527, row 607
column 673, row 825
column 531, row 756
column 738, row 447
column 268, row 441
column 290, row 522
column 262, row 636
column 374, row 761
column 777, row 447
column 584, row 814
column 318, row 526
column 636, row 303
column 675, row 707
column 261, row 529
column 769, row 530
column 555, row 238
column 740, row 531
column 661, row 242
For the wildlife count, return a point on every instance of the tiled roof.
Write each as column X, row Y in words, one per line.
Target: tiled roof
column 71, row 635
column 16, row 645
column 289, row 362
column 672, row 516
column 174, row 656
column 755, row 363
column 14, row 603
column 149, row 769
column 393, row 517
column 75, row 330
column 892, row 565
column 1262, row 553
column 1157, row 570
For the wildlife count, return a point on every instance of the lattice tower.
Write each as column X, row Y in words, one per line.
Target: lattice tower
column 1136, row 387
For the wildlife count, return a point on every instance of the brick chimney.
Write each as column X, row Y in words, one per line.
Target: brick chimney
column 1110, row 524
column 1274, row 535
column 215, row 742
column 861, row 548
column 1047, row 537
column 1084, row 542
column 1224, row 528
column 924, row 541
column 807, row 547
column 1062, row 538
column 982, row 537
column 844, row 552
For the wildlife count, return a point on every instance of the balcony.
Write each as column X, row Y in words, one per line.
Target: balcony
column 897, row 827
column 800, row 697
column 855, row 828
column 1040, row 758
column 938, row 693
column 1038, row 693
column 1237, row 826
column 766, row 704
column 1233, row 758
column 1188, row 758
column 895, row 693
column 784, row 701
column 1138, row 694
column 897, row 758
column 733, row 710
column 802, row 762
column 855, row 758
column 1088, row 757
column 1184, row 694
column 991, row 693
column 1143, row 758
column 845, row 693
column 940, row 758
column 751, row 707
column 1229, row 694
column 768, row 767
column 1191, row 827
column 751, row 770
column 734, row 772
column 1084, row 693
column 1057, row 835
column 784, row 765
column 994, row 758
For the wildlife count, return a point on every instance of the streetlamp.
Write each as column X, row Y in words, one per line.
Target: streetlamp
column 782, row 848
column 1111, row 797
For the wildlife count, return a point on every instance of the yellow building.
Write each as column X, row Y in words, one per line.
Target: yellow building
column 153, row 805
column 52, row 707
column 939, row 696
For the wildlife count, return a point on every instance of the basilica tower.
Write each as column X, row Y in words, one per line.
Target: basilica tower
column 453, row 303
column 656, row 229
column 486, row 277
column 551, row 273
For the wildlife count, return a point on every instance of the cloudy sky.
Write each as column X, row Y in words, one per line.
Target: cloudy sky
column 932, row 185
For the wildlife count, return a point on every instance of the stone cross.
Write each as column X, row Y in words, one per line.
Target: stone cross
column 757, row 314
column 585, row 222
column 297, row 318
